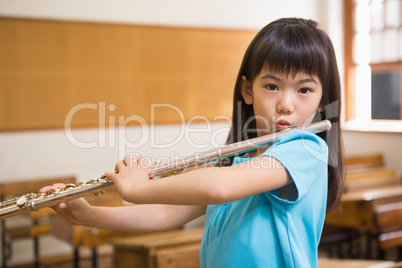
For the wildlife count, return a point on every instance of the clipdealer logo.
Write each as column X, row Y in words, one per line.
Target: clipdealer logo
column 113, row 134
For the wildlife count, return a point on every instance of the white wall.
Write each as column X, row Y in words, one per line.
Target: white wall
column 47, row 153
column 251, row 14
column 387, row 144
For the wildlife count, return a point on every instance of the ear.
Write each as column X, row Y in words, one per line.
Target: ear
column 246, row 91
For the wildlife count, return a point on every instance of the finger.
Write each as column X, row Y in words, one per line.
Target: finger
column 63, row 210
column 128, row 160
column 58, row 186
column 62, row 205
column 52, row 187
column 110, row 175
column 142, row 161
column 58, row 207
column 45, row 189
column 119, row 166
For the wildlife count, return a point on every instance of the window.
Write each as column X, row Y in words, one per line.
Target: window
column 373, row 61
column 385, row 95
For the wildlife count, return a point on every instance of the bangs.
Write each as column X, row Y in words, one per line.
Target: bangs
column 289, row 51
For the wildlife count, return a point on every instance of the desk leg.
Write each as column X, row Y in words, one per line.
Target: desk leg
column 369, row 248
column 94, row 258
column 3, row 244
column 36, row 247
column 76, row 258
column 36, row 251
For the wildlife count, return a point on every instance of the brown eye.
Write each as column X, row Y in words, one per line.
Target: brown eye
column 272, row 87
column 304, row 90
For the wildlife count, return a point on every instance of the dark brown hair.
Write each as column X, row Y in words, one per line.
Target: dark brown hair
column 289, row 46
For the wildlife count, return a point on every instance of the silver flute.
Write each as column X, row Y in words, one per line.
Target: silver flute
column 32, row 202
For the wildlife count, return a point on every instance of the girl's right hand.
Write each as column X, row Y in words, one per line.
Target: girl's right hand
column 74, row 211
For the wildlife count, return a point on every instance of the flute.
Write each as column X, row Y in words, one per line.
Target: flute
column 32, row 202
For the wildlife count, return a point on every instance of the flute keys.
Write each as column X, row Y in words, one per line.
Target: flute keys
column 40, row 195
column 50, row 192
column 103, row 179
column 57, row 191
column 83, row 183
column 69, row 186
column 21, row 201
column 176, row 172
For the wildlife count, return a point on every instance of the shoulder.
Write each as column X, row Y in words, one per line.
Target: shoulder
column 305, row 156
column 300, row 142
column 298, row 135
column 300, row 152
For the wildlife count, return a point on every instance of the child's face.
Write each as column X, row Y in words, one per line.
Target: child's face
column 279, row 101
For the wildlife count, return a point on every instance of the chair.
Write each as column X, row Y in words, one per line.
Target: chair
column 37, row 220
column 87, row 237
column 368, row 184
column 389, row 221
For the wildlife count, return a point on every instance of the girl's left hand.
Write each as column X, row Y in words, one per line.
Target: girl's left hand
column 129, row 173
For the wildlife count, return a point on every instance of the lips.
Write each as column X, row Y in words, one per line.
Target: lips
column 282, row 124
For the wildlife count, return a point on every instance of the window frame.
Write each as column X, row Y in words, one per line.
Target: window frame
column 350, row 76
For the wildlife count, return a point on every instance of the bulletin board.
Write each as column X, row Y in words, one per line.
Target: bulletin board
column 54, row 73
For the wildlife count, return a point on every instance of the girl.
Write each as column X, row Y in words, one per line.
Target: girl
column 265, row 208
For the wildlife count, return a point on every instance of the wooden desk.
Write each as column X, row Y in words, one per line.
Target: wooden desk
column 344, row 263
column 179, row 248
column 358, row 208
column 360, row 212
column 38, row 225
column 81, row 236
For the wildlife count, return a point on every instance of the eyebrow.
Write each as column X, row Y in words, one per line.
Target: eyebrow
column 271, row 76
column 305, row 80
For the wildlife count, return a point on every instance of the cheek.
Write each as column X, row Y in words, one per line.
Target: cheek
column 266, row 108
column 310, row 117
column 308, row 111
column 309, row 108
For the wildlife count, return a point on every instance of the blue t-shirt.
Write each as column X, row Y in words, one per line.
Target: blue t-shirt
column 265, row 230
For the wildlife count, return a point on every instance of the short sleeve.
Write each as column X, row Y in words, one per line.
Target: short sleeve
column 305, row 157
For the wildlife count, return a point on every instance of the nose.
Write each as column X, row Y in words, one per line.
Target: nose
column 285, row 103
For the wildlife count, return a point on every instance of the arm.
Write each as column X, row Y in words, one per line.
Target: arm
column 200, row 186
column 143, row 218
column 136, row 218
